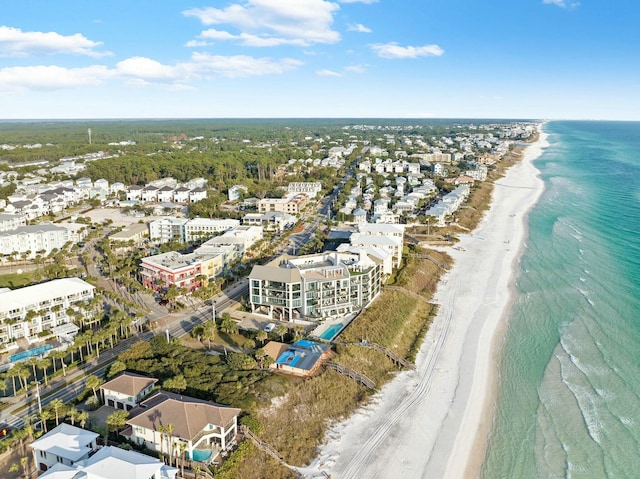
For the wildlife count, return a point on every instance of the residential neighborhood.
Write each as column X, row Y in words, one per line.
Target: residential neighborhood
column 157, row 306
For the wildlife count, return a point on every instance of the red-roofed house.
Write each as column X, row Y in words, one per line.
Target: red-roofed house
column 127, row 390
column 166, row 420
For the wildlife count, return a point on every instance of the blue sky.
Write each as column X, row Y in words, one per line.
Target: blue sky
column 317, row 58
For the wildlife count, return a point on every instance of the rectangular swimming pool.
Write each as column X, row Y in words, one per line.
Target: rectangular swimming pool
column 31, row 352
column 331, row 332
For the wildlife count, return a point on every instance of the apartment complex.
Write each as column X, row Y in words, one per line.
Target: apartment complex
column 181, row 270
column 168, row 229
column 291, row 204
column 48, row 302
column 33, row 239
column 317, row 286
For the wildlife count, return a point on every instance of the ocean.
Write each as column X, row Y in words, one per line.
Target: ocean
column 569, row 390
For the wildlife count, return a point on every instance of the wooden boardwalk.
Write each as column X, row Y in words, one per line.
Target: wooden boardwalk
column 361, row 378
column 397, row 360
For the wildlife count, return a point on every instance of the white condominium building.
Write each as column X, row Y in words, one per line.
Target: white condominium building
column 11, row 222
column 25, row 312
column 34, row 239
column 205, row 228
column 318, row 286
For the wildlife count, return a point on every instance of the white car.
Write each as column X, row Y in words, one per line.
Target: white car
column 269, row 327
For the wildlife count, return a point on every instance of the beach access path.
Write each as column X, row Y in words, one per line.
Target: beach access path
column 434, row 421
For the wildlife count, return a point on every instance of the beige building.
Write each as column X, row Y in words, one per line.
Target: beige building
column 291, row 204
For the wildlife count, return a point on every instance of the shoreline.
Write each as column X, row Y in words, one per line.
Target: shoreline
column 434, row 422
column 490, row 373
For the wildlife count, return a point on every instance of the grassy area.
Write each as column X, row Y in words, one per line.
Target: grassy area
column 15, row 280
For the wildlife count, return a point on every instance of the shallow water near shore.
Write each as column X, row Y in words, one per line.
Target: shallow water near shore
column 569, row 399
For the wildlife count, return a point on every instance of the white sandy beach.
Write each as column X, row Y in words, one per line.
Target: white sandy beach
column 433, row 422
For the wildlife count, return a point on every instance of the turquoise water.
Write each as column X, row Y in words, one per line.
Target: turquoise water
column 569, row 401
column 331, row 332
column 31, row 352
column 202, row 455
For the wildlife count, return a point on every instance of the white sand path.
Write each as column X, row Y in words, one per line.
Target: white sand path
column 433, row 422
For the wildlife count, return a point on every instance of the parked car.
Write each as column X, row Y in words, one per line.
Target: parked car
column 269, row 327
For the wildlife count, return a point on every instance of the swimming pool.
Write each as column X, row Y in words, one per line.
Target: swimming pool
column 31, row 352
column 331, row 332
column 201, row 455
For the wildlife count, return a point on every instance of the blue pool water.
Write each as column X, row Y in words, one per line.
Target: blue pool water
column 202, row 455
column 331, row 332
column 31, row 352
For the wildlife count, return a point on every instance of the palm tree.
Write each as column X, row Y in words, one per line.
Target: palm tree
column 262, row 336
column 58, row 406
column 94, row 382
column 169, row 430
column 281, row 330
column 44, row 365
column 24, row 462
column 117, row 420
column 72, row 414
column 22, row 372
column 183, row 449
column 45, row 415
column 83, row 416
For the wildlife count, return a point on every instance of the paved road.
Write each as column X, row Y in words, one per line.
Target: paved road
column 68, row 388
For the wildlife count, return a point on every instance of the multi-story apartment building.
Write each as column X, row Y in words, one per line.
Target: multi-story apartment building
column 309, row 188
column 34, row 239
column 205, row 228
column 10, row 222
column 167, row 229
column 181, row 270
column 318, row 286
column 27, row 311
column 291, row 204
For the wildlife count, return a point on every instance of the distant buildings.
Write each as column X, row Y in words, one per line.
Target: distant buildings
column 208, row 261
column 183, row 230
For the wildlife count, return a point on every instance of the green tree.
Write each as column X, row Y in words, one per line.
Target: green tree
column 281, row 330
column 228, row 325
column 241, row 362
column 175, row 384
column 117, row 420
column 58, row 407
column 93, row 383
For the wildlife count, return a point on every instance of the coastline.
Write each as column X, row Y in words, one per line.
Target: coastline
column 434, row 422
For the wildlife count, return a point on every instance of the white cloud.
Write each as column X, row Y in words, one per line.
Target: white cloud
column 241, row 65
column 197, row 44
column 15, row 79
column 355, row 68
column 358, row 27
column 16, row 43
column 328, row 73
column 561, row 3
column 143, row 71
column 393, row 50
column 359, row 1
column 150, row 70
column 302, row 22
column 248, row 39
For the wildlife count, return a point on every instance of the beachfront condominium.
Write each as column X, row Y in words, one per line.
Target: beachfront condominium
column 25, row 312
column 314, row 287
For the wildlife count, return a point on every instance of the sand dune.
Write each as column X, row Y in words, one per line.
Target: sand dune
column 433, row 422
